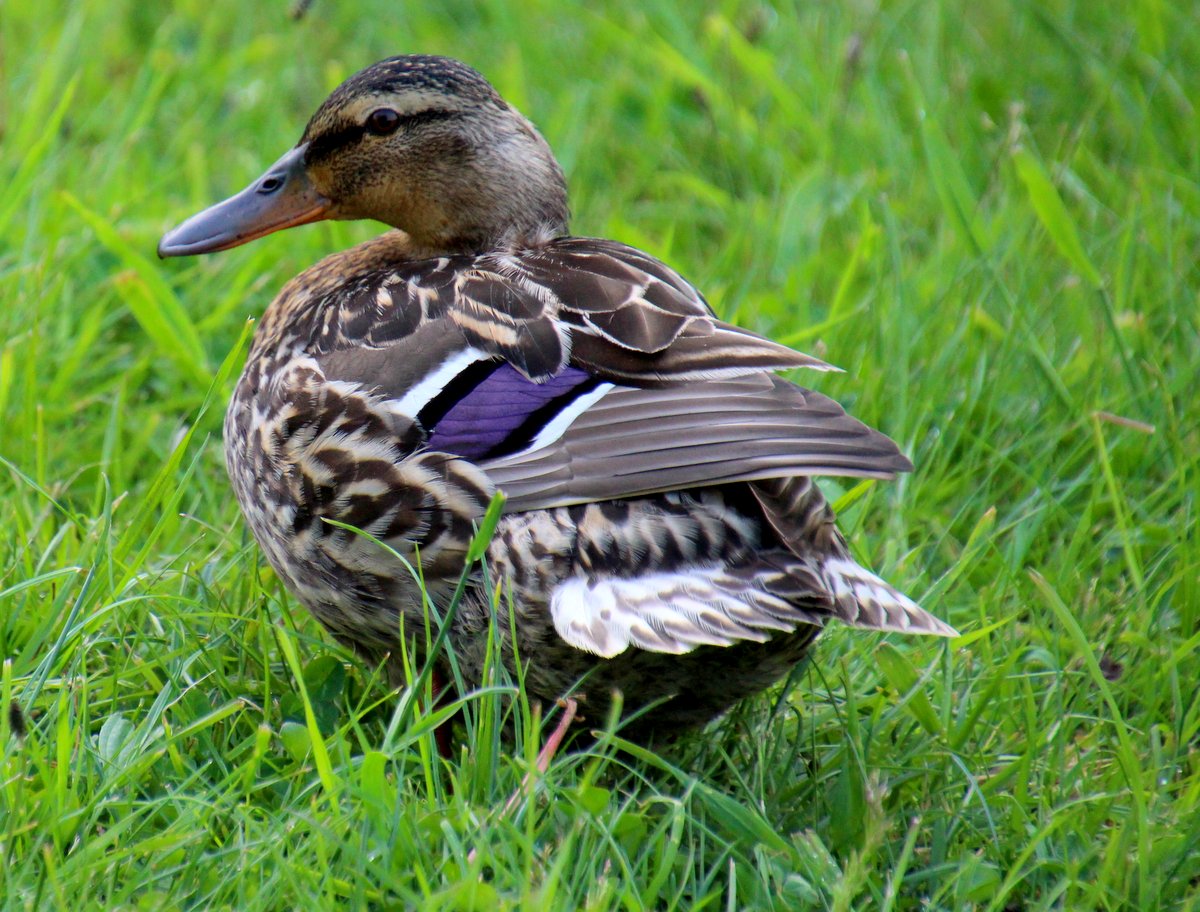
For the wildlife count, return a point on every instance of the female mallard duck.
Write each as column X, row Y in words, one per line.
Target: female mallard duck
column 661, row 533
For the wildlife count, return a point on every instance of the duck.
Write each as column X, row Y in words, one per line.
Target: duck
column 661, row 540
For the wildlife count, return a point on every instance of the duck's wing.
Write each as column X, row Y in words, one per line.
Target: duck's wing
column 586, row 370
column 600, row 306
column 631, row 319
column 633, row 441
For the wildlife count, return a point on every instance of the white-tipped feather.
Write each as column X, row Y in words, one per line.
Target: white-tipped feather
column 557, row 426
column 669, row 612
column 865, row 600
column 679, row 611
column 415, row 399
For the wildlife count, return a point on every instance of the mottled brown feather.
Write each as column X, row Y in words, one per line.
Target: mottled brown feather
column 682, row 494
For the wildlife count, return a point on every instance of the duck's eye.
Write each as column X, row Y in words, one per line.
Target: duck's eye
column 383, row 121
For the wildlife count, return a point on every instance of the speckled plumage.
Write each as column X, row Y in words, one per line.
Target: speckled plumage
column 661, row 533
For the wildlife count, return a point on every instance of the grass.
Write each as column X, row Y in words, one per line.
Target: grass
column 988, row 213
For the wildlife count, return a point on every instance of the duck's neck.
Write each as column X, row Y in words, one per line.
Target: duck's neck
column 481, row 242
column 500, row 218
column 507, row 194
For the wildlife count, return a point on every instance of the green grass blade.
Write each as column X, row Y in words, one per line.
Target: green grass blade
column 1053, row 215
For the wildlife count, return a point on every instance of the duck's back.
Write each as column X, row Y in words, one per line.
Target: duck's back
column 661, row 533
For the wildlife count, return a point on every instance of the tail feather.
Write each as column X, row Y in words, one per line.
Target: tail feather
column 864, row 600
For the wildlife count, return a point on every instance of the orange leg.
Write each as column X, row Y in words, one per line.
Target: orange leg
column 570, row 710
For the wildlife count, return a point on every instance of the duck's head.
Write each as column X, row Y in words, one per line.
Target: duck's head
column 424, row 144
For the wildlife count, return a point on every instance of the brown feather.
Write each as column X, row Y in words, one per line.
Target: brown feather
column 670, row 526
column 639, row 441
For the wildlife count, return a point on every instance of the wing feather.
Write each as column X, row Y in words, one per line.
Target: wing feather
column 598, row 305
column 692, row 402
column 642, row 441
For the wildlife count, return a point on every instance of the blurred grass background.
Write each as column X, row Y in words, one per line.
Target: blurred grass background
column 988, row 214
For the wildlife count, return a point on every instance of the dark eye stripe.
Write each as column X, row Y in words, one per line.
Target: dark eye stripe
column 326, row 144
column 419, row 118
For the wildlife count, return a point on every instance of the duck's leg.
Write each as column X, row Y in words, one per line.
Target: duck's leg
column 570, row 708
column 398, row 679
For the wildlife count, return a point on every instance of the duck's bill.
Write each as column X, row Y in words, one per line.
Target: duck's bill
column 282, row 198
